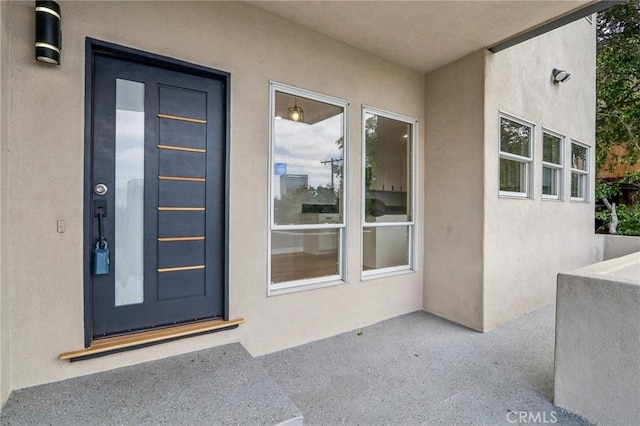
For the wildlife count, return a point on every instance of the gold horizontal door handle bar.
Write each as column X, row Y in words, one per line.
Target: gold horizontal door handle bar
column 179, row 118
column 167, row 239
column 181, row 148
column 181, row 268
column 181, row 209
column 186, row 179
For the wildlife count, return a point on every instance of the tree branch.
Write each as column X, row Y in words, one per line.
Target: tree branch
column 613, row 223
column 632, row 137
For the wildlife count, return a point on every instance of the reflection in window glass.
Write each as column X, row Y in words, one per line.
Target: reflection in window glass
column 385, row 247
column 387, row 169
column 578, row 157
column 299, row 255
column 513, row 176
column 552, row 146
column 551, row 165
column 129, row 193
column 387, row 232
column 516, row 140
column 307, row 188
column 550, row 179
column 307, row 159
column 577, row 185
column 579, row 172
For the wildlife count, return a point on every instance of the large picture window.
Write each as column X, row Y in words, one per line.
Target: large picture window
column 388, row 199
column 307, row 217
column 516, row 140
column 552, row 165
column 579, row 171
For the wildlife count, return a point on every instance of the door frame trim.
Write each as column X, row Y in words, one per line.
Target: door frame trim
column 95, row 47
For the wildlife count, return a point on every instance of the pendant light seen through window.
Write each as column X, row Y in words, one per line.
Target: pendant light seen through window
column 295, row 113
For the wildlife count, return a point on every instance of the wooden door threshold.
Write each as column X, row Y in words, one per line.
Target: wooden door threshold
column 110, row 345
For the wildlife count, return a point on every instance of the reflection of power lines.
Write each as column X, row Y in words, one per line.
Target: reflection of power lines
column 335, row 168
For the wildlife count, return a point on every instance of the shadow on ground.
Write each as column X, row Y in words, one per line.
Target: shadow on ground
column 410, row 370
column 422, row 369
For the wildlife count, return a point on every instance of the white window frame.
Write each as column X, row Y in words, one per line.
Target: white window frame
column 310, row 283
column 527, row 161
column 411, row 225
column 559, row 167
column 584, row 173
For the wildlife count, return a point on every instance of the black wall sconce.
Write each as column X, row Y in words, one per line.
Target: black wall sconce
column 559, row 76
column 48, row 32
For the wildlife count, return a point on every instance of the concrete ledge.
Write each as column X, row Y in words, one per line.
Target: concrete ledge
column 618, row 245
column 597, row 353
column 223, row 385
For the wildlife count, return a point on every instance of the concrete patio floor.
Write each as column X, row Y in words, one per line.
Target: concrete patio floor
column 422, row 369
column 413, row 369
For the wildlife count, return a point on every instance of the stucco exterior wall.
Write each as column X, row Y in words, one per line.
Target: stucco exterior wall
column 4, row 288
column 528, row 241
column 46, row 125
column 618, row 245
column 454, row 185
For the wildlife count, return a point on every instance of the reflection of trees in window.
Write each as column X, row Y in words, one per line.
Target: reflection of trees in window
column 371, row 139
column 288, row 210
column 578, row 157
column 514, row 137
column 515, row 157
column 551, row 149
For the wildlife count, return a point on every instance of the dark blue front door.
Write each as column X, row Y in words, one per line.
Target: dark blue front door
column 157, row 181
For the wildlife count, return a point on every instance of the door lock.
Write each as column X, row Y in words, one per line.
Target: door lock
column 100, row 189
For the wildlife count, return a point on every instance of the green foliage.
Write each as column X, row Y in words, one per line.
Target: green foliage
column 605, row 190
column 628, row 220
column 288, row 209
column 618, row 83
column 628, row 215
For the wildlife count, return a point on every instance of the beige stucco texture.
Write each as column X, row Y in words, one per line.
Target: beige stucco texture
column 45, row 174
column 597, row 367
column 454, row 135
column 481, row 259
column 489, row 259
column 4, row 290
column 527, row 242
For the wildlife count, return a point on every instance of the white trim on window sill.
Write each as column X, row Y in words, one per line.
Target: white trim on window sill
column 303, row 285
column 514, row 195
column 579, row 200
column 374, row 274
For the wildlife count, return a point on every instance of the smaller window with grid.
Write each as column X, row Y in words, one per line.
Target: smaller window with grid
column 516, row 147
column 552, row 165
column 579, row 171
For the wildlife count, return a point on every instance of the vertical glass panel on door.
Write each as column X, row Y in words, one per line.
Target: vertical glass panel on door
column 385, row 247
column 308, row 146
column 388, row 171
column 129, row 193
column 306, row 254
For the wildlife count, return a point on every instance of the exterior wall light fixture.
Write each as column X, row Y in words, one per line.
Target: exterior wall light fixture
column 559, row 76
column 48, row 32
column 295, row 113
